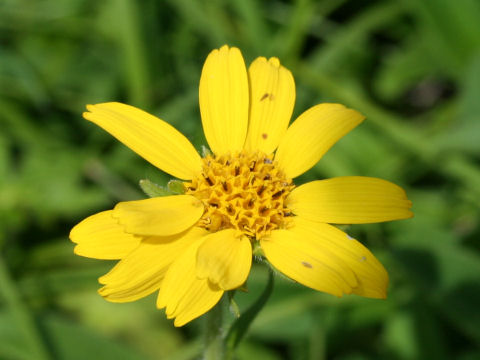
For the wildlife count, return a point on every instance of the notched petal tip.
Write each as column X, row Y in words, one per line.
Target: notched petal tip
column 225, row 49
column 274, row 61
column 73, row 234
column 87, row 115
column 177, row 323
column 77, row 251
column 103, row 279
column 262, row 59
column 160, row 303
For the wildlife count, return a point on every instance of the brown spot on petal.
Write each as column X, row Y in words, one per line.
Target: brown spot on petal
column 264, row 135
column 307, row 264
column 264, row 97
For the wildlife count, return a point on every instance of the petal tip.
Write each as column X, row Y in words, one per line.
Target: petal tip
column 102, row 290
column 160, row 303
column 178, row 323
column 274, row 61
column 73, row 234
column 77, row 251
column 88, row 115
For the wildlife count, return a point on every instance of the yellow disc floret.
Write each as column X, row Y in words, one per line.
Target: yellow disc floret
column 244, row 191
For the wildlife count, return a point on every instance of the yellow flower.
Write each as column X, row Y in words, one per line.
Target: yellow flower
column 194, row 247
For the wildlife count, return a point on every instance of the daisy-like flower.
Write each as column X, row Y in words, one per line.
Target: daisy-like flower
column 195, row 246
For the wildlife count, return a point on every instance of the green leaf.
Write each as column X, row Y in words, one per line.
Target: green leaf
column 239, row 328
column 233, row 306
column 206, row 151
column 153, row 190
column 176, row 187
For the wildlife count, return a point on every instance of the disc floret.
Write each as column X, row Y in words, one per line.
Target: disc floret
column 244, row 191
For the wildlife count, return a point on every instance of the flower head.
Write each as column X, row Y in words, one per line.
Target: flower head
column 195, row 246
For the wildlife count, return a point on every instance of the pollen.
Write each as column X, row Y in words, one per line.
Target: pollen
column 244, row 191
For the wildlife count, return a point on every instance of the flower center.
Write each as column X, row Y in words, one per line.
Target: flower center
column 245, row 191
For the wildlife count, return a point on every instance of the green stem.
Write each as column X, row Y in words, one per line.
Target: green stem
column 21, row 314
column 214, row 345
column 241, row 325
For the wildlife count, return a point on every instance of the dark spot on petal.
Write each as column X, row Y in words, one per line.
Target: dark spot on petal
column 307, row 264
column 363, row 258
column 264, row 97
column 264, row 135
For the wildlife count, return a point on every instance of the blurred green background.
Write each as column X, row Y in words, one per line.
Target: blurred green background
column 411, row 66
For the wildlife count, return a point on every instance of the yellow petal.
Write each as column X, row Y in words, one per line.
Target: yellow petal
column 350, row 200
column 199, row 299
column 101, row 237
column 225, row 259
column 184, row 295
column 324, row 258
column 142, row 271
column 302, row 260
column 372, row 278
column 160, row 216
column 151, row 138
column 272, row 97
column 312, row 135
column 224, row 99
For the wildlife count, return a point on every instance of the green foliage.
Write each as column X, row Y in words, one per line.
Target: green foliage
column 153, row 190
column 411, row 66
column 239, row 327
